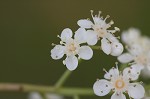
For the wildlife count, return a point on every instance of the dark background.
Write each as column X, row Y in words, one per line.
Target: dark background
column 27, row 29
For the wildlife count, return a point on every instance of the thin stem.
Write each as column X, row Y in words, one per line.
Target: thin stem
column 63, row 78
column 66, row 91
column 76, row 97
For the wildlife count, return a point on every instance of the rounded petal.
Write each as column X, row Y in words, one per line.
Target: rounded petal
column 112, row 38
column 57, row 52
column 102, row 87
column 71, row 62
column 136, row 91
column 106, row 46
column 85, row 52
column 91, row 37
column 66, row 34
column 113, row 72
column 84, row 23
column 80, row 35
column 118, row 96
column 125, row 58
column 116, row 49
column 132, row 72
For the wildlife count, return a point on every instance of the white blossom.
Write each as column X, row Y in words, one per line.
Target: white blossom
column 138, row 49
column 72, row 48
column 120, row 83
column 99, row 30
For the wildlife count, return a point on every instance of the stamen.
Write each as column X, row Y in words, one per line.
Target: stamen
column 97, row 79
column 116, row 65
column 92, row 13
column 99, row 13
column 111, row 22
column 105, row 70
column 64, row 62
column 106, row 17
column 58, row 36
column 53, row 44
column 117, row 29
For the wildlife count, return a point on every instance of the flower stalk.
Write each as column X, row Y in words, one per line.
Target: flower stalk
column 62, row 79
column 66, row 91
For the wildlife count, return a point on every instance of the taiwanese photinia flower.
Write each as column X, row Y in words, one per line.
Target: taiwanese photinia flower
column 138, row 50
column 109, row 43
column 72, row 48
column 120, row 83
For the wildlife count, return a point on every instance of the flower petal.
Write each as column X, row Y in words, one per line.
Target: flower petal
column 80, row 35
column 91, row 37
column 132, row 72
column 118, row 96
column 66, row 34
column 113, row 72
column 102, row 87
column 112, row 38
column 106, row 46
column 125, row 58
column 136, row 91
column 57, row 52
column 71, row 62
column 116, row 49
column 85, row 52
column 84, row 23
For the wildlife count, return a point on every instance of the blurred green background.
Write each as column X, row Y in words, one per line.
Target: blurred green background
column 28, row 28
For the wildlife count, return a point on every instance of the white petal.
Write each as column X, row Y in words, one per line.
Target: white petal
column 66, row 34
column 118, row 96
column 80, row 35
column 71, row 62
column 102, row 87
column 112, row 38
column 84, row 23
column 136, row 90
column 136, row 49
column 91, row 37
column 132, row 72
column 34, row 95
column 125, row 58
column 106, row 46
column 85, row 52
column 116, row 49
column 57, row 52
column 113, row 72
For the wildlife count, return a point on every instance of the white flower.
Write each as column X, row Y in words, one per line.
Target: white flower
column 34, row 95
column 138, row 49
column 130, row 36
column 109, row 43
column 120, row 83
column 71, row 47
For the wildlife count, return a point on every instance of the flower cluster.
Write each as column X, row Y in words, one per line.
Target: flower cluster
column 87, row 35
column 138, row 49
column 120, row 83
column 78, row 46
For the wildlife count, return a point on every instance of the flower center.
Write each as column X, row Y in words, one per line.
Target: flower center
column 119, row 84
column 101, row 32
column 71, row 47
